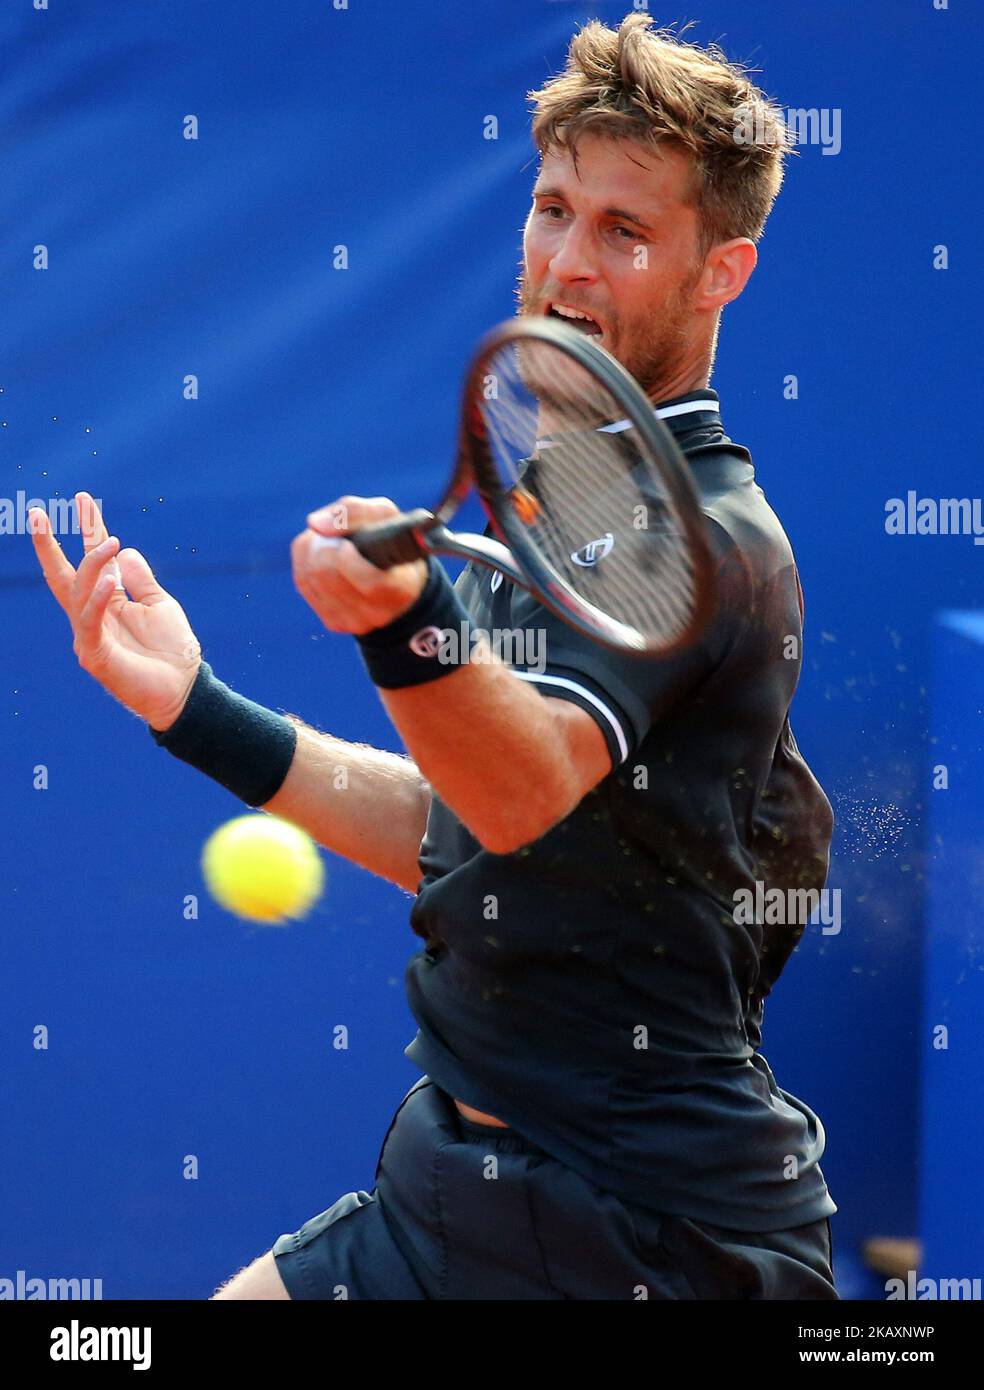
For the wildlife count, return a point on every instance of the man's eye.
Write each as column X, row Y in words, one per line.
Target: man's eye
column 629, row 233
column 552, row 208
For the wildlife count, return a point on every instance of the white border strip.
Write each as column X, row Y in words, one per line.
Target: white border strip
column 623, row 746
column 663, row 413
column 687, row 407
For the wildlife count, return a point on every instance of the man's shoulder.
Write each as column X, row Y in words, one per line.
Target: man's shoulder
column 744, row 530
column 729, row 492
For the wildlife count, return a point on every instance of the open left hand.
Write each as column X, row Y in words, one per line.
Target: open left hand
column 348, row 593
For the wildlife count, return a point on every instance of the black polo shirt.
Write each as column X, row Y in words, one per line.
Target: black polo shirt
column 593, row 989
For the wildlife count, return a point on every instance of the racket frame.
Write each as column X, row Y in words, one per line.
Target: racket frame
column 475, row 466
column 420, row 532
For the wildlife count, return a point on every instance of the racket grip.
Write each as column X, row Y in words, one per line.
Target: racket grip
column 388, row 543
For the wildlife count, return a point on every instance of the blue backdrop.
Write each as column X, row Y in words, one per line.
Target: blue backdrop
column 133, row 258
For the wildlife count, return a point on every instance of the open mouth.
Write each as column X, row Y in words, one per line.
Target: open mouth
column 576, row 318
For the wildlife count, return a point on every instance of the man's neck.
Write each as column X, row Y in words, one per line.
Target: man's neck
column 692, row 373
column 675, row 387
column 686, row 377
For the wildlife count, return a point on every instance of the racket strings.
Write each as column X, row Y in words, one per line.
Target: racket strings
column 647, row 566
column 601, row 517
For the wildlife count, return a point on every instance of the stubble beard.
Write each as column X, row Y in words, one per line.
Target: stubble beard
column 654, row 352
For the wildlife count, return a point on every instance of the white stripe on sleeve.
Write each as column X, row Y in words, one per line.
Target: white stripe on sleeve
column 623, row 746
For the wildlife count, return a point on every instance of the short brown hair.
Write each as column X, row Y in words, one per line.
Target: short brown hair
column 645, row 84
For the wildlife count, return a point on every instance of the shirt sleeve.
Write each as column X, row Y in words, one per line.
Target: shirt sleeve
column 626, row 694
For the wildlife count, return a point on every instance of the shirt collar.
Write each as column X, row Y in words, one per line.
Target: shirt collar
column 680, row 414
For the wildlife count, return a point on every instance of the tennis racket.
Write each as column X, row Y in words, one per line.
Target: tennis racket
column 593, row 504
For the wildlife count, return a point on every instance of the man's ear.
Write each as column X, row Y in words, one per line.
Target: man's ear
column 727, row 269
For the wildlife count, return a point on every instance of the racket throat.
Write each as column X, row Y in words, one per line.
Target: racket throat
column 482, row 549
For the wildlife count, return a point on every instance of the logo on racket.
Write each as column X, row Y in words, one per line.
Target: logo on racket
column 593, row 551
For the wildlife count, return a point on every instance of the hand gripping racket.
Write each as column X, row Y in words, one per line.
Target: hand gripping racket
column 593, row 503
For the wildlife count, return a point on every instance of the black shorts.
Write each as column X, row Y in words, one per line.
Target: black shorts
column 466, row 1211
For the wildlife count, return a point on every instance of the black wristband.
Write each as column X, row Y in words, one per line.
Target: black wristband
column 430, row 640
column 245, row 747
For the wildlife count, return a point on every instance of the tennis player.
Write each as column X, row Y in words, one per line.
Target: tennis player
column 594, row 1118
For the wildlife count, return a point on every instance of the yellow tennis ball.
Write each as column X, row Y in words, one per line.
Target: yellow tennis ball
column 263, row 868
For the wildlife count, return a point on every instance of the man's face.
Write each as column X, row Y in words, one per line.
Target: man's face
column 617, row 240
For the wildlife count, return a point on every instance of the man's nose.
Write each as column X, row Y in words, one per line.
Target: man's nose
column 574, row 259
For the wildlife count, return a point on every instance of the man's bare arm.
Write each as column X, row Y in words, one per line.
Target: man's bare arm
column 363, row 803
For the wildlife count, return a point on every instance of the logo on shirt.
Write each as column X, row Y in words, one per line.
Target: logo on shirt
column 593, row 551
column 496, row 580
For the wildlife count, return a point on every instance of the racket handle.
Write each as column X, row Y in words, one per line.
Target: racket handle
column 388, row 543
